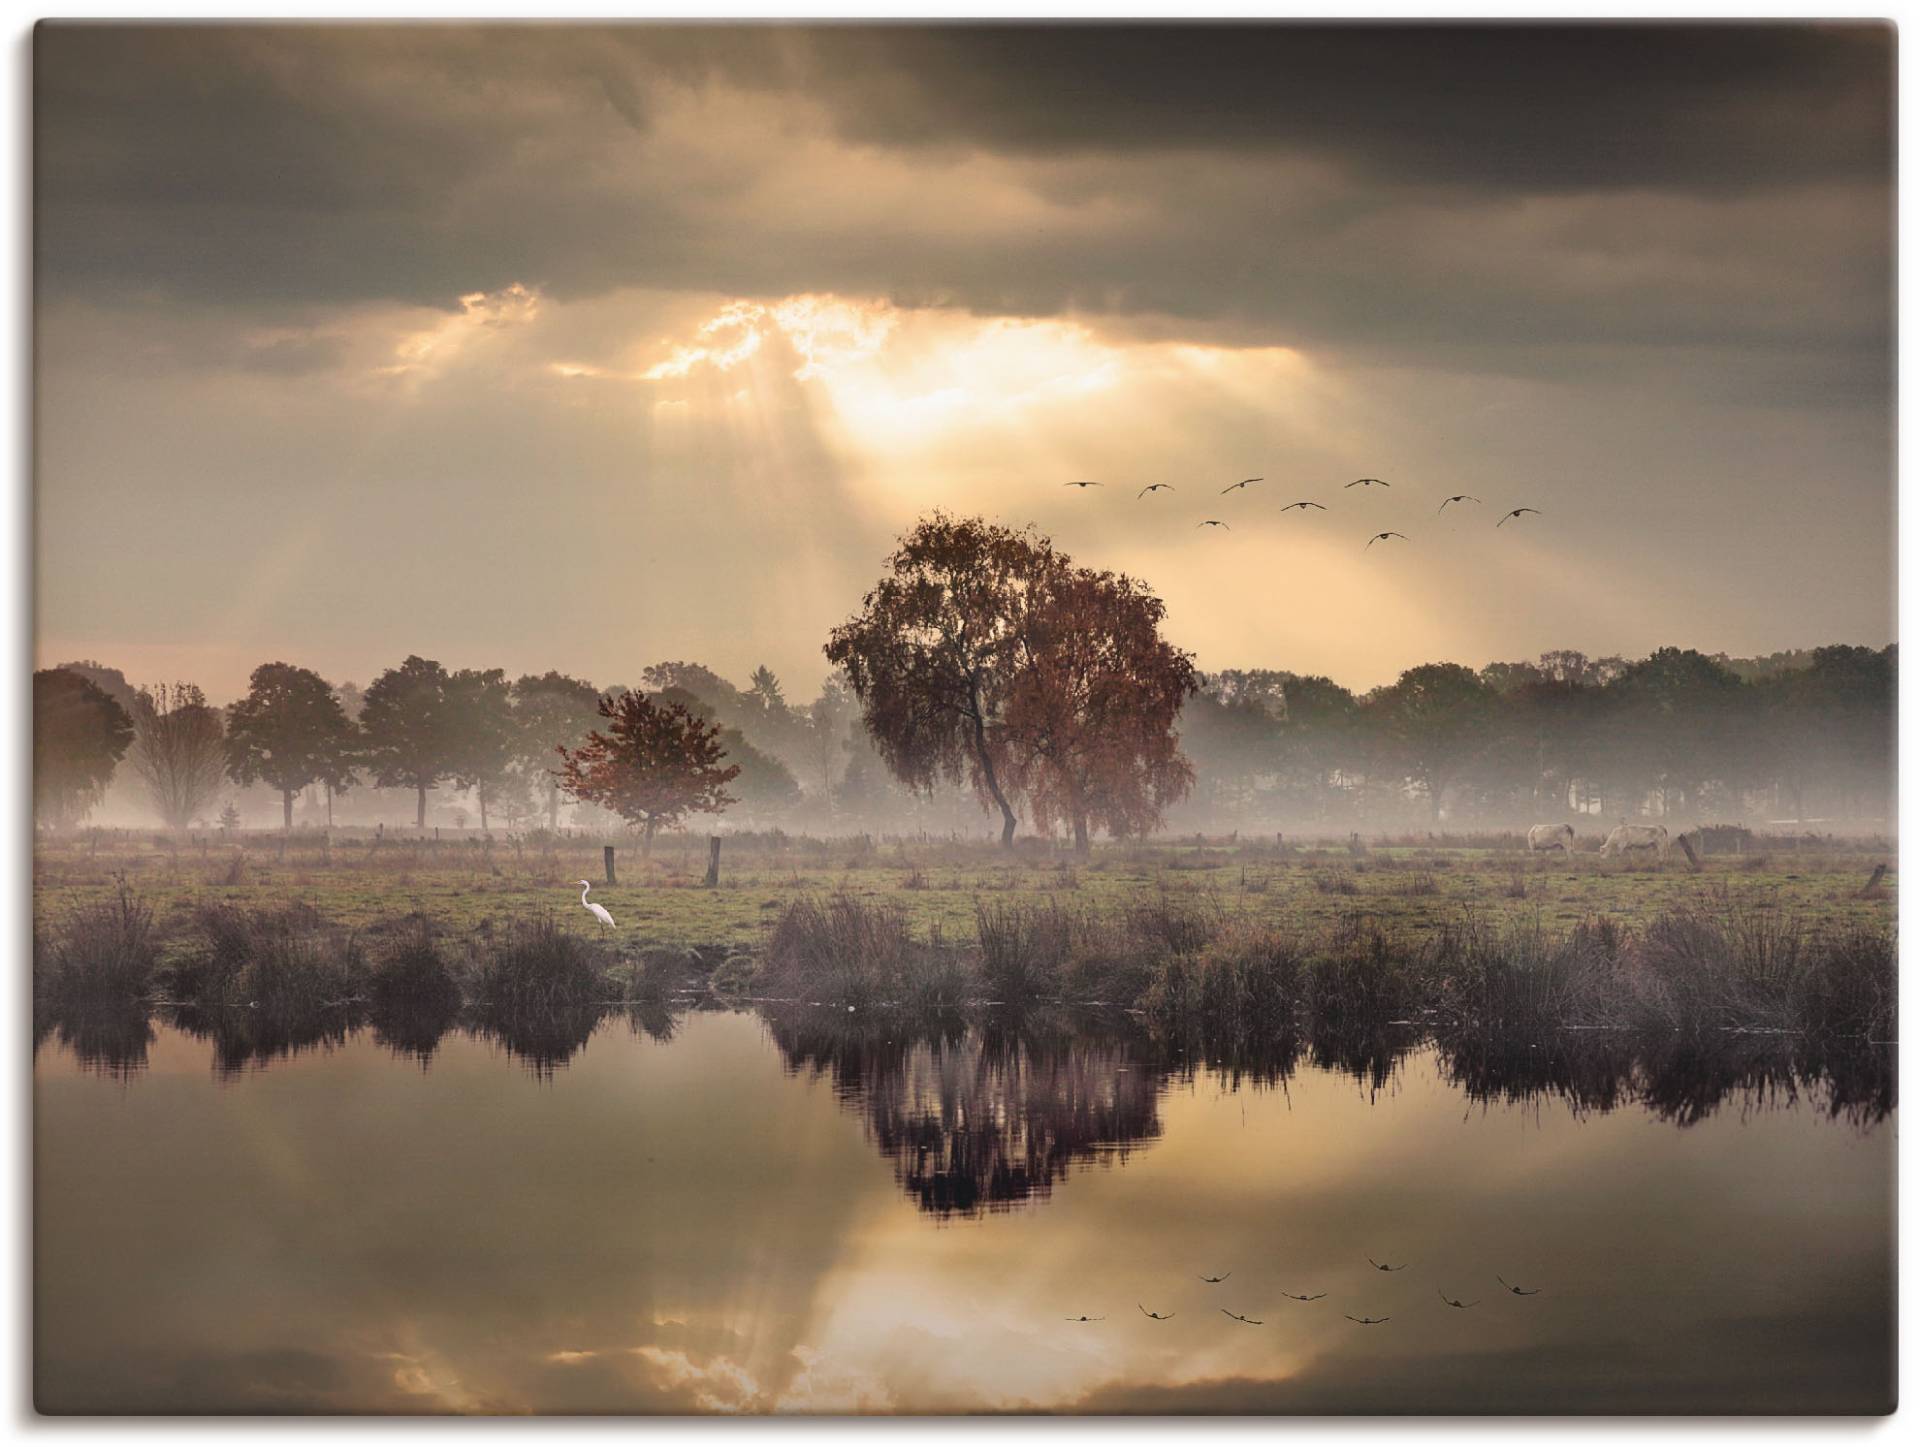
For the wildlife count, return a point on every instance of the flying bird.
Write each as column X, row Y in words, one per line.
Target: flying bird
column 1237, row 1317
column 598, row 911
column 1213, row 523
column 1241, row 483
column 1382, row 537
column 1157, row 1315
column 1083, row 1318
column 1457, row 497
column 1083, row 484
column 1517, row 1290
column 1463, row 1305
column 1378, row 1267
column 1291, row 1296
column 1368, row 482
column 1222, row 1277
column 1292, row 505
column 1152, row 487
column 1369, row 1320
column 1514, row 514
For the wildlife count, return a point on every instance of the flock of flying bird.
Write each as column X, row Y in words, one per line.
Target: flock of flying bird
column 1366, row 482
column 1451, row 1301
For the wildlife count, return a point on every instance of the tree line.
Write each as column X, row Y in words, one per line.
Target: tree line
column 986, row 671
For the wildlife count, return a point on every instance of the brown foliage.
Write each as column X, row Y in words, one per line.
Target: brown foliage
column 985, row 655
column 655, row 764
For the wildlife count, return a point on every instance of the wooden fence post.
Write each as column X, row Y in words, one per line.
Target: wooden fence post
column 713, row 862
column 607, row 850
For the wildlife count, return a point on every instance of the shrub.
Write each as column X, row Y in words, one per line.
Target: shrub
column 840, row 949
column 1024, row 948
column 101, row 953
column 538, row 964
column 411, row 975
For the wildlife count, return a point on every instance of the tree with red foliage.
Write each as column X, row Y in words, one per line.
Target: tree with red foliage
column 655, row 764
column 1089, row 722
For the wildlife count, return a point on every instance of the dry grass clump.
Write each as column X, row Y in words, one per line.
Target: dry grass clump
column 1024, row 948
column 539, row 965
column 101, row 953
column 845, row 951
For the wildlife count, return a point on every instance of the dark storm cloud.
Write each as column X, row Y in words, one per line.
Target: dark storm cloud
column 1546, row 197
column 1554, row 107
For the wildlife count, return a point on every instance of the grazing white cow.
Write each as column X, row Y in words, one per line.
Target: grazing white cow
column 1543, row 837
column 1627, row 837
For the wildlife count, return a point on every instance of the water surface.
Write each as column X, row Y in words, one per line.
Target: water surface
column 714, row 1211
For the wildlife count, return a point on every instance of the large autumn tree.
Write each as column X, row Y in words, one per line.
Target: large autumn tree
column 289, row 732
column 79, row 734
column 934, row 652
column 656, row 762
column 1089, row 721
column 411, row 726
column 985, row 656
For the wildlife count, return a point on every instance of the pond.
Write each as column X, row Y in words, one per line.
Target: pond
column 789, row 1210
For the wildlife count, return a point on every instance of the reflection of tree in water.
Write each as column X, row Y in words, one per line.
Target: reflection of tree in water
column 414, row 1030
column 105, row 1039
column 246, row 1039
column 543, row 1040
column 1678, row 1078
column 980, row 1117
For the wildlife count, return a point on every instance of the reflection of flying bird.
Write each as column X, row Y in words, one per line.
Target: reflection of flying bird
column 1213, row 523
column 1514, row 514
column 1378, row 1267
column 1368, row 482
column 1517, row 1290
column 1157, row 1315
column 1237, row 1317
column 1369, row 1320
column 599, row 912
column 1155, row 487
column 1083, row 1318
column 1291, row 1296
column 1457, row 497
column 1292, row 505
column 1382, row 537
column 1463, row 1305
column 1083, row 484
column 1241, row 483
column 1222, row 1277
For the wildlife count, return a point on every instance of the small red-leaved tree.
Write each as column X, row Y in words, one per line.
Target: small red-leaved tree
column 655, row 764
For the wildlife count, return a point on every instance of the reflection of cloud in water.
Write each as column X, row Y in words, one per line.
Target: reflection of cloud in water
column 677, row 1223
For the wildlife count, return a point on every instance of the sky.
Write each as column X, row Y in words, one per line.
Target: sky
column 585, row 347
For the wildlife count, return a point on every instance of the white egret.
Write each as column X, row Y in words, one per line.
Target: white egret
column 599, row 911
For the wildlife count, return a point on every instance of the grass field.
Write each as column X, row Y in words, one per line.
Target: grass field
column 1408, row 888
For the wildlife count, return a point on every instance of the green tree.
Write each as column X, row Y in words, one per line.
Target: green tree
column 1433, row 722
column 79, row 735
column 410, row 726
column 289, row 732
column 484, row 733
column 551, row 711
